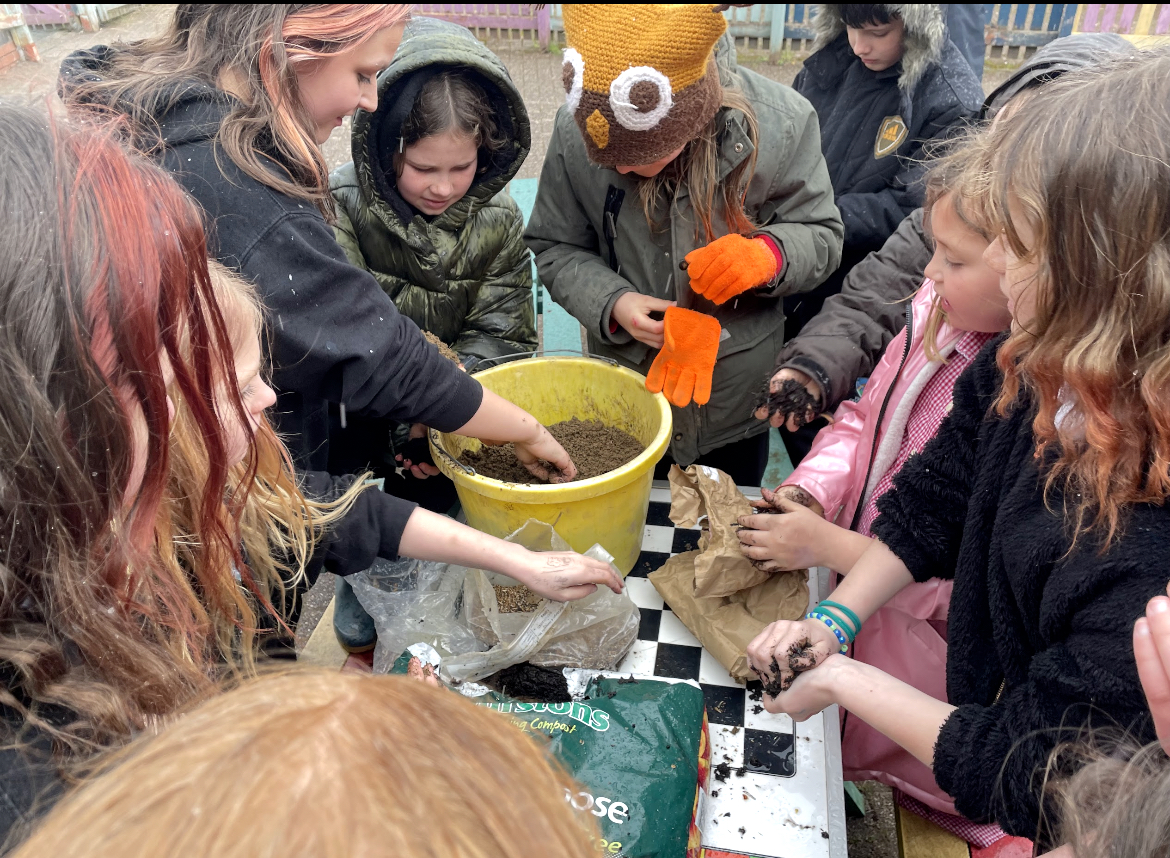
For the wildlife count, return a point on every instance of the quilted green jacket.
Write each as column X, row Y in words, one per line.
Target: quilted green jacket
column 464, row 275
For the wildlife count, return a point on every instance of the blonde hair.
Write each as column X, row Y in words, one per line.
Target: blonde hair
column 260, row 45
column 323, row 764
column 697, row 169
column 952, row 178
column 275, row 525
column 1087, row 167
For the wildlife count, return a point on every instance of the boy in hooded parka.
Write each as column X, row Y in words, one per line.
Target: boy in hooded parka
column 884, row 79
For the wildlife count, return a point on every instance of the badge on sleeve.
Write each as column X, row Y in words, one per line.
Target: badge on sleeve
column 891, row 134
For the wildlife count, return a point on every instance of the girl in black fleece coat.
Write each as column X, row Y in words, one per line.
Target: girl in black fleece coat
column 1043, row 494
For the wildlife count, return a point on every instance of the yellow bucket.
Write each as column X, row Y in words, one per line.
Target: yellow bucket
column 610, row 509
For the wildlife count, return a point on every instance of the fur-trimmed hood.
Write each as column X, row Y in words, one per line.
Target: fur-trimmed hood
column 926, row 36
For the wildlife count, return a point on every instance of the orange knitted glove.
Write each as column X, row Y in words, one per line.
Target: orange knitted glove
column 730, row 265
column 687, row 357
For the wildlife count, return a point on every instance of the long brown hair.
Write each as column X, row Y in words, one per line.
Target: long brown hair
column 259, row 45
column 99, row 282
column 697, row 170
column 1087, row 167
column 255, row 772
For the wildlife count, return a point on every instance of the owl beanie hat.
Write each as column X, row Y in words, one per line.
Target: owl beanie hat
column 641, row 80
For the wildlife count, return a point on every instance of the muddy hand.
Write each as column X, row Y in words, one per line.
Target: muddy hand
column 544, row 450
column 793, row 400
column 425, row 674
column 781, row 543
column 786, row 648
column 565, row 576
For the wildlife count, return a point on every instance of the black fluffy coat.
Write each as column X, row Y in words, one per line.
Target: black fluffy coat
column 1040, row 637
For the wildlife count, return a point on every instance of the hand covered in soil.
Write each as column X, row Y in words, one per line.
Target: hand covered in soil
column 543, row 451
column 790, row 540
column 811, row 692
column 788, row 648
column 565, row 576
column 729, row 266
column 1151, row 649
column 632, row 312
column 425, row 674
column 414, row 455
column 793, row 399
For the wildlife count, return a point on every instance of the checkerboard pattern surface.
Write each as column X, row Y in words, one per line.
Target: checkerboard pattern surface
column 771, row 792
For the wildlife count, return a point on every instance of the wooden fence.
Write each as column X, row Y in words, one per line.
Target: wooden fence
column 1012, row 29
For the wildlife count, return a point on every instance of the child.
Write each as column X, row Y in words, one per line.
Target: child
column 1043, row 494
column 235, row 100
column 853, row 463
column 423, row 204
column 884, row 79
column 665, row 158
column 255, row 772
column 423, row 208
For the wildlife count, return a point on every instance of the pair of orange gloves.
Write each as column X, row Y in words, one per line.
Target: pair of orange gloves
column 720, row 271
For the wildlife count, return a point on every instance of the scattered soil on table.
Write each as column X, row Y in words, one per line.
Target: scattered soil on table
column 595, row 448
column 532, row 684
column 444, row 349
column 516, row 600
column 792, row 398
column 722, row 772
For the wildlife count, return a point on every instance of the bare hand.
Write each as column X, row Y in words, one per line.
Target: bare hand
column 810, row 692
column 786, row 648
column 791, row 420
column 1151, row 649
column 632, row 311
column 565, row 576
column 420, row 470
column 425, row 674
column 788, row 541
column 542, row 449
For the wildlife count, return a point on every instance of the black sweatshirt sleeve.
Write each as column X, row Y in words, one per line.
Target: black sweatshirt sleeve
column 372, row 528
column 990, row 758
column 337, row 336
column 921, row 518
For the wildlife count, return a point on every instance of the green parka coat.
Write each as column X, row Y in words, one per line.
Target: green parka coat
column 464, row 275
column 789, row 196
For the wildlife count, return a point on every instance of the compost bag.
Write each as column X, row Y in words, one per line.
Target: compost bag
column 638, row 749
column 455, row 610
column 715, row 591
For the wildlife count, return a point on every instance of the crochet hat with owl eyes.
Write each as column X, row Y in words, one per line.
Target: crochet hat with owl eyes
column 641, row 80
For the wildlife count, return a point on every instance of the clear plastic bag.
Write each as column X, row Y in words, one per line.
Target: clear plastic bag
column 454, row 609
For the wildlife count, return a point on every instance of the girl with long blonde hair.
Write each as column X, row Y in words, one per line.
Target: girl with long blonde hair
column 1043, row 495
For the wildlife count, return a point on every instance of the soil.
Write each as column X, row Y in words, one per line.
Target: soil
column 532, row 684
column 595, row 449
column 793, row 399
column 444, row 349
column 800, row 658
column 516, row 600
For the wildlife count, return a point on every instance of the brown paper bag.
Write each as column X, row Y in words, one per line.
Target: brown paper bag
column 708, row 496
column 725, row 625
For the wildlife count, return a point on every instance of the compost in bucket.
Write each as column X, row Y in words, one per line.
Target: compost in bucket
column 595, row 448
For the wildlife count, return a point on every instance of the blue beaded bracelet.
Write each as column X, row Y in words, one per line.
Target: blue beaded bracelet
column 838, row 633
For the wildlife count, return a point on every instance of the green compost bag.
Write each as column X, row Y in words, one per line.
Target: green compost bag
column 638, row 749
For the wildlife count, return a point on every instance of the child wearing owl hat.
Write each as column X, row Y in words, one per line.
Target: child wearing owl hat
column 681, row 199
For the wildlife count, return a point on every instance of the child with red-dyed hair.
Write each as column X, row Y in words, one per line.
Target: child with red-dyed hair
column 235, row 101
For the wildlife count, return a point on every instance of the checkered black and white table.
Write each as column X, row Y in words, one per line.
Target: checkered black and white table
column 783, row 797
